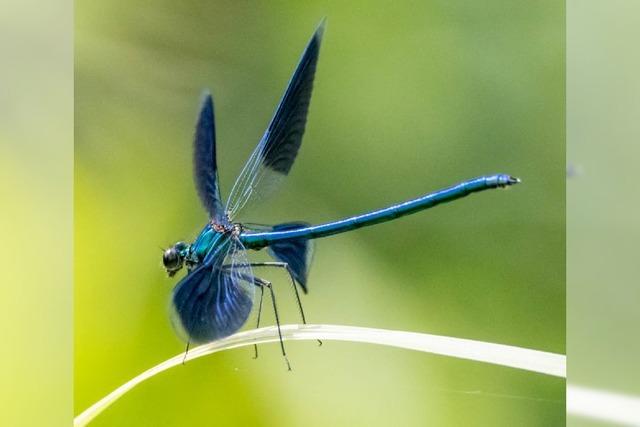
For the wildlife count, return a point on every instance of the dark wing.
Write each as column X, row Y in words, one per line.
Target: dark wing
column 215, row 299
column 273, row 157
column 205, row 169
column 297, row 253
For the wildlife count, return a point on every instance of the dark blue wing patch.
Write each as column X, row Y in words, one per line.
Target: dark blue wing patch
column 276, row 152
column 205, row 169
column 297, row 253
column 215, row 299
column 284, row 134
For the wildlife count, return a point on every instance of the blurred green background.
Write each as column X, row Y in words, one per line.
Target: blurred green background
column 408, row 98
column 603, row 231
column 36, row 222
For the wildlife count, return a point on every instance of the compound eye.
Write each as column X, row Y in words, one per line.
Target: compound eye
column 171, row 259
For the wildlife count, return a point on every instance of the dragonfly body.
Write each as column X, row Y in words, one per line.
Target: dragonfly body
column 252, row 240
column 209, row 239
column 215, row 298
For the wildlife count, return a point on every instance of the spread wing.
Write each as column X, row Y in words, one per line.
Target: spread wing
column 205, row 169
column 277, row 150
column 297, row 253
column 215, row 299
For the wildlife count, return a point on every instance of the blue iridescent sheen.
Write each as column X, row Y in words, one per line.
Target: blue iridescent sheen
column 215, row 298
column 212, row 302
column 257, row 240
column 205, row 168
column 295, row 252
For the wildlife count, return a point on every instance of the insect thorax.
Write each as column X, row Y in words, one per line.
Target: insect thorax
column 211, row 235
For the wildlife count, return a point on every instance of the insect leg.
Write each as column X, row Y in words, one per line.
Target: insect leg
column 255, row 346
column 293, row 283
column 185, row 352
column 264, row 283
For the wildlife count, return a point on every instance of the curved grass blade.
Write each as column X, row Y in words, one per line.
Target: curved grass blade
column 499, row 354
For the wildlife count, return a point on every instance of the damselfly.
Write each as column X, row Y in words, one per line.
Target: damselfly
column 216, row 296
